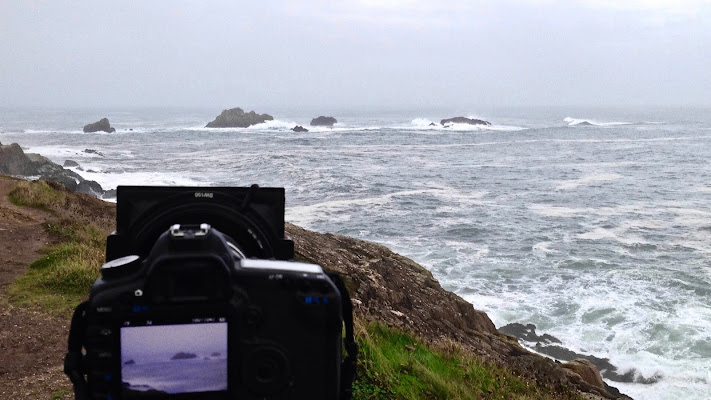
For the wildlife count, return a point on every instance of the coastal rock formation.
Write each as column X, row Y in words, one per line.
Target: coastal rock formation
column 92, row 151
column 237, row 118
column 394, row 290
column 101, row 125
column 464, row 120
column 323, row 121
column 70, row 163
column 587, row 371
column 550, row 346
column 14, row 161
column 527, row 333
column 299, row 128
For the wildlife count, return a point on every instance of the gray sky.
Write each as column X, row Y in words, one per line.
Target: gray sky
column 357, row 53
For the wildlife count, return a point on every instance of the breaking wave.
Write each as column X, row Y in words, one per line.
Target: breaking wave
column 588, row 122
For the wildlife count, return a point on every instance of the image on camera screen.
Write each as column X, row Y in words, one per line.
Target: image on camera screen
column 174, row 358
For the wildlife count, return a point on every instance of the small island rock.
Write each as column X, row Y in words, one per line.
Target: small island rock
column 70, row 163
column 299, row 128
column 101, row 125
column 237, row 118
column 464, row 120
column 323, row 121
column 183, row 356
column 92, row 151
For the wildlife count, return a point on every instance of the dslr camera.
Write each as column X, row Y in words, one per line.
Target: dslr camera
column 199, row 299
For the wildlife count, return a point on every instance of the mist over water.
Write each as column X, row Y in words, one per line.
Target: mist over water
column 593, row 224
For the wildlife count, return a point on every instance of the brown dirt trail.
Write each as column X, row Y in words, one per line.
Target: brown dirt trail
column 32, row 343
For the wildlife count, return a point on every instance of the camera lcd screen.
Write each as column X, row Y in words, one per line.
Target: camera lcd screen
column 174, row 358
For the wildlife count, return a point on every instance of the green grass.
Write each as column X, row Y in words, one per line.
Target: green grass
column 37, row 194
column 60, row 395
column 396, row 365
column 59, row 280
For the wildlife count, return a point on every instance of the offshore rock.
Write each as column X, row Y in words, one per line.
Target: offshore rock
column 323, row 121
column 101, row 125
column 464, row 120
column 299, row 128
column 237, row 118
column 70, row 163
column 183, row 356
column 92, row 151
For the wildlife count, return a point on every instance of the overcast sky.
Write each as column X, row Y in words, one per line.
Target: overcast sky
column 356, row 53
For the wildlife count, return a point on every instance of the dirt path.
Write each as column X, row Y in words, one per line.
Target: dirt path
column 32, row 343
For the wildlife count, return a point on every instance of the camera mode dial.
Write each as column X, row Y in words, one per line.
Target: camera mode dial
column 120, row 267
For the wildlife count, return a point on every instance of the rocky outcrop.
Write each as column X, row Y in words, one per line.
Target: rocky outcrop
column 587, row 372
column 183, row 356
column 551, row 346
column 396, row 291
column 101, row 125
column 237, row 118
column 323, row 121
column 92, row 151
column 14, row 161
column 464, row 120
column 70, row 163
column 299, row 128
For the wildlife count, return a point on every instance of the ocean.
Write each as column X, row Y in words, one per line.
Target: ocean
column 593, row 224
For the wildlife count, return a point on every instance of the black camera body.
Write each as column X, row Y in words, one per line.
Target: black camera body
column 197, row 301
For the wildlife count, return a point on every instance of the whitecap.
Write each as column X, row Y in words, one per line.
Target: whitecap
column 588, row 179
column 589, row 122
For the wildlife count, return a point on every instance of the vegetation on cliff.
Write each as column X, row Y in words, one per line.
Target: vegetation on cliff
column 404, row 354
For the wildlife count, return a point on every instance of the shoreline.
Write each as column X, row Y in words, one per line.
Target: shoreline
column 400, row 316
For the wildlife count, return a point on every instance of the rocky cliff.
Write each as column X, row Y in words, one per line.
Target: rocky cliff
column 394, row 290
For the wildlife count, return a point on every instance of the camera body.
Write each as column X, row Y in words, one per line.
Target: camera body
column 184, row 310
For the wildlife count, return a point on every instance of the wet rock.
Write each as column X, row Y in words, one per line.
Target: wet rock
column 323, row 121
column 527, row 333
column 101, row 125
column 299, row 128
column 550, row 346
column 70, row 163
column 92, row 151
column 464, row 120
column 237, row 118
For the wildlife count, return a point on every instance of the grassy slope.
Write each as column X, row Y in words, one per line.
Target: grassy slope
column 392, row 364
